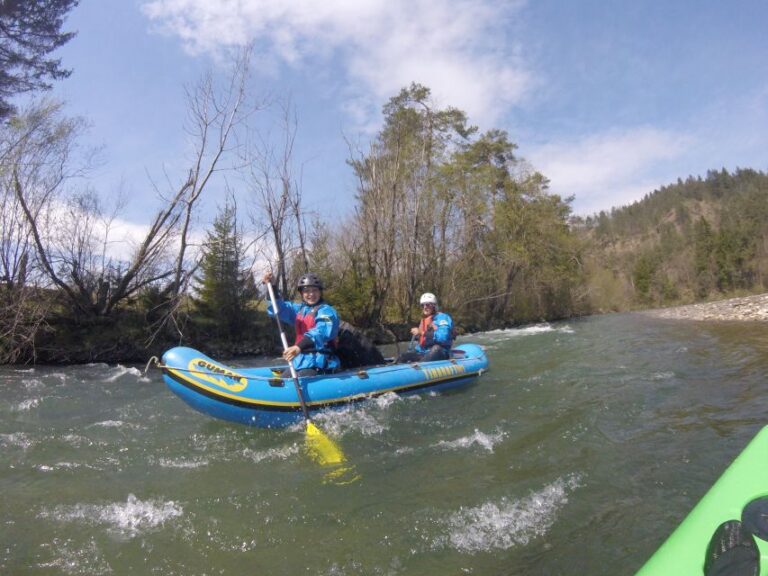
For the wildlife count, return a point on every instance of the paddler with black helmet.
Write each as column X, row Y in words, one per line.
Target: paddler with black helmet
column 317, row 327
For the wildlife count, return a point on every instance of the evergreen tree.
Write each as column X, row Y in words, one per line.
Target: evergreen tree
column 29, row 32
column 224, row 288
column 703, row 246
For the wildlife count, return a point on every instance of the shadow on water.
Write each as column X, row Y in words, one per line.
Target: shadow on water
column 582, row 448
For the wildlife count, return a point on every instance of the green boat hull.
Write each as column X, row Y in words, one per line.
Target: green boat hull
column 745, row 479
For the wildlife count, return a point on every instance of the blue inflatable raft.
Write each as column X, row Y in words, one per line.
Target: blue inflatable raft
column 259, row 397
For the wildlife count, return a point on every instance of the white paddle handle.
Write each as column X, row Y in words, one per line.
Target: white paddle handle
column 280, row 327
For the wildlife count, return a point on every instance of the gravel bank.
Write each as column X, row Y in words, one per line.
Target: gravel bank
column 748, row 308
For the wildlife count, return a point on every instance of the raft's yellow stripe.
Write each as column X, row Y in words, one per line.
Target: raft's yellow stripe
column 340, row 399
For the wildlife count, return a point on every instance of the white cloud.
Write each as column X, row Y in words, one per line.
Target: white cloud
column 123, row 239
column 459, row 48
column 610, row 169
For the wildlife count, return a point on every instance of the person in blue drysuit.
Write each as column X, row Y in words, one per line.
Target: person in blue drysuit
column 317, row 327
column 435, row 333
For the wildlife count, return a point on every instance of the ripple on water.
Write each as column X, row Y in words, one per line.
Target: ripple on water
column 481, row 439
column 71, row 557
column 121, row 425
column 183, row 463
column 62, row 466
column 17, row 440
column 31, row 384
column 281, row 453
column 506, row 523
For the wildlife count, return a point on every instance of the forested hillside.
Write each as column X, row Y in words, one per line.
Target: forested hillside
column 697, row 239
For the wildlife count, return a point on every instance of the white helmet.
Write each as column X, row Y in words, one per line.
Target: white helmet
column 428, row 298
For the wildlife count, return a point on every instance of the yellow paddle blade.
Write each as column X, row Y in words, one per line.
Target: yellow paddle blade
column 321, row 448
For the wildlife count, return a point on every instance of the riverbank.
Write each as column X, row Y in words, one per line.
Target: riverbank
column 747, row 309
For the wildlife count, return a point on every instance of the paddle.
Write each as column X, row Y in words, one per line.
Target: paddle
column 319, row 446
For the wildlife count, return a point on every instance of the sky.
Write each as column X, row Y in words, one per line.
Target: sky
column 609, row 99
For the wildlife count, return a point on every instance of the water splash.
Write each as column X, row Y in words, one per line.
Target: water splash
column 128, row 518
column 365, row 418
column 504, row 524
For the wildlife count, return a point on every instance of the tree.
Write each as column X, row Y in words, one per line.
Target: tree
column 703, row 248
column 94, row 286
column 29, row 32
column 215, row 114
column 69, row 243
column 401, row 212
column 277, row 195
column 224, row 287
column 35, row 150
column 642, row 276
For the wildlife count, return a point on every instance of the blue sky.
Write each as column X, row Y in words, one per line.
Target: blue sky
column 609, row 99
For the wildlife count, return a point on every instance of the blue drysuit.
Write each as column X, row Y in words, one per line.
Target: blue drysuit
column 316, row 330
column 438, row 331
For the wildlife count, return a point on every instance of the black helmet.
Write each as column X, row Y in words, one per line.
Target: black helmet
column 308, row 280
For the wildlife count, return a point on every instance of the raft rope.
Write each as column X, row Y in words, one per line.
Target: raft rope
column 154, row 361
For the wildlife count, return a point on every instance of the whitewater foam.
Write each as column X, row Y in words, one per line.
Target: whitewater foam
column 28, row 404
column 485, row 441
column 362, row 418
column 271, row 453
column 16, row 440
column 108, row 424
column 60, row 466
column 121, row 371
column 533, row 330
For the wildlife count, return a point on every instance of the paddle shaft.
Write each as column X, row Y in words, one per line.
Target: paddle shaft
column 285, row 347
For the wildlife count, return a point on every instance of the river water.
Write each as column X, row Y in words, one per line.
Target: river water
column 580, row 450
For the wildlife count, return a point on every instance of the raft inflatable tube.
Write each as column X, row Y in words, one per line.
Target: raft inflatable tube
column 259, row 397
column 739, row 497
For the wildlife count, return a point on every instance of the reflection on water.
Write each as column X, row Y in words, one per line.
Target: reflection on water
column 582, row 448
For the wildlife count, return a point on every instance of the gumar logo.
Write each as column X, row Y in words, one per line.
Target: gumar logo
column 217, row 375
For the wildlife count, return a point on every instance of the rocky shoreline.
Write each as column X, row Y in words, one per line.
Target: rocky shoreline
column 748, row 309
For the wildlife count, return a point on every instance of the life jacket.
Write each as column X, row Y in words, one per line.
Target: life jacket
column 428, row 324
column 425, row 325
column 306, row 321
